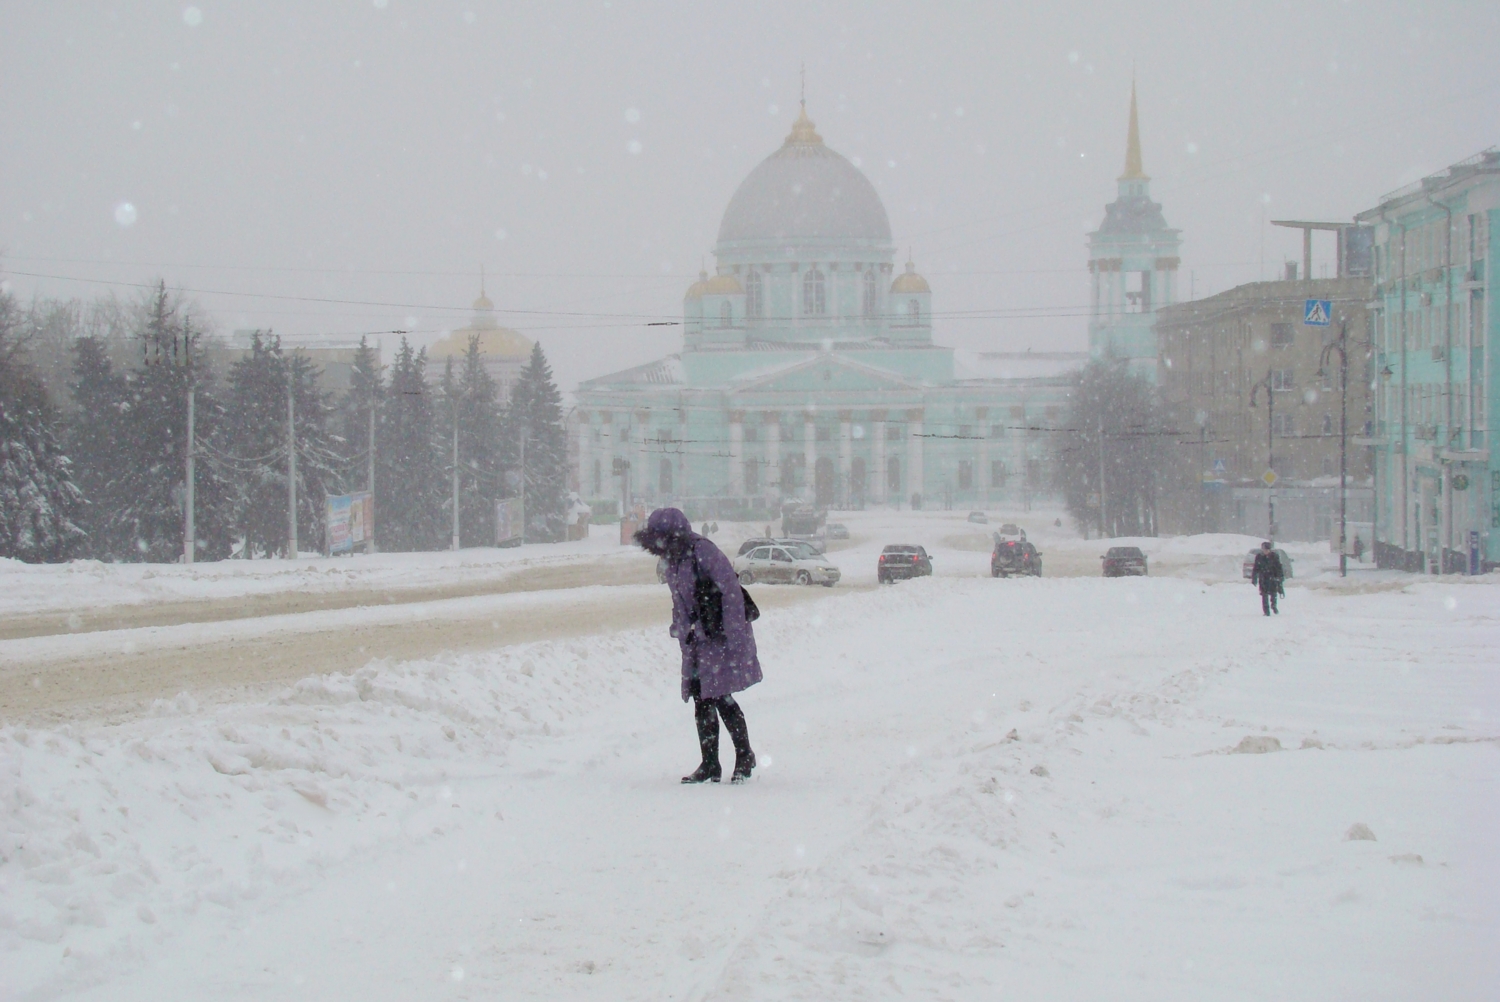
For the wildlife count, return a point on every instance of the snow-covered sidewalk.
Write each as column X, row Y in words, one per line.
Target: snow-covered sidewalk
column 970, row 789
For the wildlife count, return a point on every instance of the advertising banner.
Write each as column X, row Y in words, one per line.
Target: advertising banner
column 509, row 522
column 351, row 521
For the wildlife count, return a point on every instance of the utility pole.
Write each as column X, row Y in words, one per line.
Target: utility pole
column 1103, row 502
column 370, row 529
column 189, row 530
column 1342, row 347
column 524, row 429
column 455, row 476
column 291, row 459
column 1270, row 445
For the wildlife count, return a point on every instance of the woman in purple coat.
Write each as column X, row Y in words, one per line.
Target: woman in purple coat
column 718, row 647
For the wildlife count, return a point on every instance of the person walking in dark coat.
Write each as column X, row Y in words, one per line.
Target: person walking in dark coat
column 718, row 646
column 1268, row 574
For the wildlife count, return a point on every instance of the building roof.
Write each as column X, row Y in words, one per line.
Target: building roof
column 662, row 372
column 805, row 191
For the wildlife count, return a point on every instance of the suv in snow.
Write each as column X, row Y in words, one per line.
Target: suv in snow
column 903, row 560
column 1124, row 561
column 1014, row 557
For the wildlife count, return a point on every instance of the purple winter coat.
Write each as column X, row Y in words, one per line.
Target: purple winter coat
column 724, row 664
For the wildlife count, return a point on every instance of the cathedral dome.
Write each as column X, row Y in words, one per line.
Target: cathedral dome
column 910, row 281
column 805, row 191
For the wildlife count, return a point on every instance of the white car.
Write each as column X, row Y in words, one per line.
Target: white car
column 780, row 565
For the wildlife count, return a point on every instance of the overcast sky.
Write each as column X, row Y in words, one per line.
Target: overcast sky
column 376, row 152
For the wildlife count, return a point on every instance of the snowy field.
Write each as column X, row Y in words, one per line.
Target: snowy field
column 970, row 789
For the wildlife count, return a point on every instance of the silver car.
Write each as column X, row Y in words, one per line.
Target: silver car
column 780, row 565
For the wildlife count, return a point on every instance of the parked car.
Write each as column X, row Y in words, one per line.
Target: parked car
column 781, row 565
column 1015, row 557
column 979, row 518
column 1249, row 564
column 1124, row 561
column 903, row 560
column 836, row 530
column 813, row 547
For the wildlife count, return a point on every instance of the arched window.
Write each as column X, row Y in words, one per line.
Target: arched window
column 755, row 297
column 726, row 315
column 814, row 293
column 913, row 312
column 871, row 300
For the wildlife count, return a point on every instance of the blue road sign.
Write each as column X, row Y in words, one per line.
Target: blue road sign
column 1317, row 313
column 1219, row 466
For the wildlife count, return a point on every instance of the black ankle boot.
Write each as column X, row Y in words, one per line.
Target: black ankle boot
column 708, row 772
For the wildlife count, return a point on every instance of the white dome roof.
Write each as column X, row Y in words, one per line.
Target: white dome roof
column 805, row 191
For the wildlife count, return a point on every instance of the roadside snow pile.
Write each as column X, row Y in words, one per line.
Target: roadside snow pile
column 107, row 831
column 90, row 585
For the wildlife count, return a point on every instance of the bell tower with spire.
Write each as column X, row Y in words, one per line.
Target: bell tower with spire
column 1132, row 266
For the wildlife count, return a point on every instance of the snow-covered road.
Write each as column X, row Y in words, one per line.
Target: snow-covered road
column 971, row 788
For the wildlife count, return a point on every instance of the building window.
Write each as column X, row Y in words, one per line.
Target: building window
column 997, row 473
column 1328, row 424
column 1286, row 426
column 726, row 315
column 823, row 433
column 814, row 293
column 752, row 476
column 1281, row 335
column 664, row 478
column 755, row 296
column 752, row 434
column 997, row 431
column 913, row 312
column 894, row 433
column 1283, row 379
column 965, row 431
column 871, row 300
column 893, row 474
column 965, row 475
column 1137, row 292
column 787, row 430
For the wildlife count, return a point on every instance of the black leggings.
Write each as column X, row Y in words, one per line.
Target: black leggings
column 708, row 712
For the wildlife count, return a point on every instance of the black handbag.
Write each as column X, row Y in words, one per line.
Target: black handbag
column 708, row 602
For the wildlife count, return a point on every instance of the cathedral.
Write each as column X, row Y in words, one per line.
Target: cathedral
column 808, row 369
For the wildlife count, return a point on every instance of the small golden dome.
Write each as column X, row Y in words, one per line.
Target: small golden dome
column 910, row 281
column 803, row 132
column 695, row 291
column 483, row 303
column 495, row 342
column 722, row 285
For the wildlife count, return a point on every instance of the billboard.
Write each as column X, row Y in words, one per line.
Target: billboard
column 351, row 521
column 510, row 523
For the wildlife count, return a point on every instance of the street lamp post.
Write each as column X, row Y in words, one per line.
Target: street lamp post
column 1341, row 346
column 1270, row 446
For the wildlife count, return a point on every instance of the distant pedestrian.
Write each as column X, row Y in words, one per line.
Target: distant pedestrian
column 1268, row 574
column 1359, row 549
column 711, row 615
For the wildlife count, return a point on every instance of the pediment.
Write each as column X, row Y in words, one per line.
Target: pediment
column 823, row 373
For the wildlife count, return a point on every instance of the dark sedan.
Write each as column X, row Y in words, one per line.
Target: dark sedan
column 903, row 561
column 1124, row 561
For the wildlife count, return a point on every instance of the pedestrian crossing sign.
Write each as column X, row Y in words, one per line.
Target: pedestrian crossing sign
column 1317, row 313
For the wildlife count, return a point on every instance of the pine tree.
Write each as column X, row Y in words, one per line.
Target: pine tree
column 536, row 421
column 259, row 384
column 409, row 473
column 470, row 397
column 1116, row 426
column 38, row 498
column 366, row 391
column 146, row 523
column 96, row 441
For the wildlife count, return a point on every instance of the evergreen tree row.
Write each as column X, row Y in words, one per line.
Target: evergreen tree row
column 106, row 476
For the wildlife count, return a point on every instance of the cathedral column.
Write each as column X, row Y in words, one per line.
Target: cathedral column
column 736, row 453
column 914, row 483
column 981, row 421
column 607, row 452
column 846, row 454
column 877, row 427
column 771, row 426
column 585, row 468
column 809, row 455
column 645, row 477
